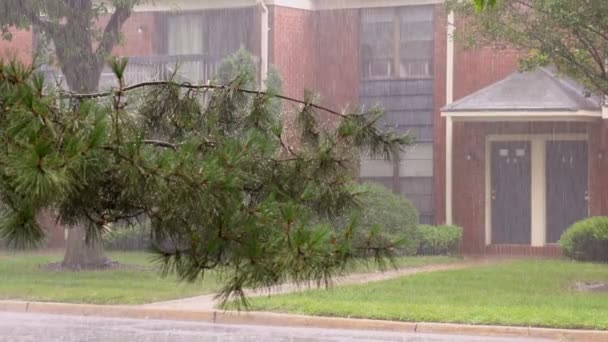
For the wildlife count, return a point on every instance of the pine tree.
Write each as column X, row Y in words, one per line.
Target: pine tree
column 208, row 166
column 81, row 47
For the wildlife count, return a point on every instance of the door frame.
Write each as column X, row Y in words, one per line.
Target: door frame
column 538, row 179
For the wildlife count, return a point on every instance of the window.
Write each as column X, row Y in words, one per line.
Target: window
column 211, row 32
column 397, row 42
column 187, row 35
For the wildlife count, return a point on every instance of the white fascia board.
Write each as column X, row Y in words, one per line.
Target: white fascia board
column 524, row 116
column 338, row 4
column 185, row 5
column 299, row 4
column 190, row 5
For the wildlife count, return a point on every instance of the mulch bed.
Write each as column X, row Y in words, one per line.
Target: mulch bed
column 591, row 287
column 110, row 265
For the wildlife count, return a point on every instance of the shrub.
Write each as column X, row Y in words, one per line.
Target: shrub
column 438, row 240
column 586, row 240
column 130, row 238
column 381, row 207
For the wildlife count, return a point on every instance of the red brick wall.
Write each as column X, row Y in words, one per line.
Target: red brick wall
column 337, row 59
column 292, row 48
column 598, row 169
column 468, row 185
column 479, row 68
column 318, row 51
column 139, row 35
column 20, row 47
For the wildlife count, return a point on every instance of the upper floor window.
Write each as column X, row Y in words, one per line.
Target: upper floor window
column 216, row 32
column 397, row 42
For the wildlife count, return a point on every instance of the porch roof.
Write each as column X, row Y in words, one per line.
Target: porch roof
column 536, row 94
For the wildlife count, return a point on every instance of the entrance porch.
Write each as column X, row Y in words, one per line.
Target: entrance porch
column 526, row 161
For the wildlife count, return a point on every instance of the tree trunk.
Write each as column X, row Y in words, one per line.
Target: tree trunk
column 82, row 254
column 82, row 65
column 82, row 72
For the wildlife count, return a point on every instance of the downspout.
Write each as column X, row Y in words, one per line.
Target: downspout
column 449, row 138
column 264, row 32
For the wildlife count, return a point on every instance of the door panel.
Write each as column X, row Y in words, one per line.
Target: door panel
column 511, row 191
column 567, row 186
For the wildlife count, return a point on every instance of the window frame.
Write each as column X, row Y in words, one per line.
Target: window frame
column 395, row 62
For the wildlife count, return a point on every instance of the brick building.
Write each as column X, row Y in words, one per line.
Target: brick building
column 470, row 121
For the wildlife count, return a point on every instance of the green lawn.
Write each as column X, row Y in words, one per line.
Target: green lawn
column 526, row 293
column 21, row 277
column 401, row 262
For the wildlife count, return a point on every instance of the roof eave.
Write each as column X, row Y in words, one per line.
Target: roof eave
column 523, row 115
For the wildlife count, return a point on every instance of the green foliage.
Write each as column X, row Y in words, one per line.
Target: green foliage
column 207, row 166
column 482, row 4
column 439, row 240
column 568, row 34
column 586, row 240
column 243, row 62
column 132, row 238
column 378, row 207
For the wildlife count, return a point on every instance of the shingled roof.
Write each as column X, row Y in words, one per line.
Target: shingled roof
column 540, row 90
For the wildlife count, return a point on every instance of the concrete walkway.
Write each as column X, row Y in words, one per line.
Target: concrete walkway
column 208, row 302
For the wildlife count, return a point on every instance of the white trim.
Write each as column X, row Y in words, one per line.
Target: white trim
column 449, row 70
column 547, row 136
column 338, row 4
column 298, row 4
column 449, row 97
column 191, row 5
column 538, row 200
column 449, row 160
column 538, row 174
column 524, row 115
column 264, row 31
column 488, row 191
column 311, row 5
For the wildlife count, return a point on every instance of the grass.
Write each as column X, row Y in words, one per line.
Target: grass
column 23, row 278
column 524, row 293
column 401, row 262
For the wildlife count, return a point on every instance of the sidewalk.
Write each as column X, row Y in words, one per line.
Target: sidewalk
column 208, row 302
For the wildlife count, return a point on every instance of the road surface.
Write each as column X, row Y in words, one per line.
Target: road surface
column 20, row 327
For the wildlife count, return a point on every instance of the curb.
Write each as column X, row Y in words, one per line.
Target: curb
column 288, row 320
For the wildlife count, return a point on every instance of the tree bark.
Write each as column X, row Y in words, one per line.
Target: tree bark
column 81, row 254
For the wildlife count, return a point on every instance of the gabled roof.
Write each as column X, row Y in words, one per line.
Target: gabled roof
column 540, row 90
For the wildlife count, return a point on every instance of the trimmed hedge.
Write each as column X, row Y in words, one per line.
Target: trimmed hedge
column 438, row 240
column 381, row 207
column 586, row 240
column 135, row 238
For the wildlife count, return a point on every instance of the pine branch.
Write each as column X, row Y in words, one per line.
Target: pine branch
column 71, row 95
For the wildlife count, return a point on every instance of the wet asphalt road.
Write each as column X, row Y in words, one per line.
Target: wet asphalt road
column 20, row 327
